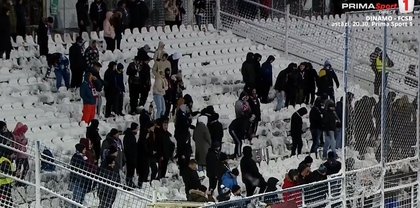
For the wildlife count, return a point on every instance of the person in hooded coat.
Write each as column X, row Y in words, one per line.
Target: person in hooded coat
column 363, row 124
column 91, row 166
column 42, row 35
column 266, row 78
column 327, row 78
column 98, row 10
column 79, row 182
column 20, row 18
column 311, row 83
column 315, row 120
column 191, row 178
column 301, row 86
column 92, row 133
column 212, row 158
column 271, row 186
column 248, row 72
column 292, row 87
column 296, row 131
column 257, row 71
column 139, row 13
column 202, row 139
column 333, row 166
column 130, row 149
column 159, row 52
column 82, row 11
column 281, row 85
column 107, row 194
column 255, row 105
column 251, row 176
column 5, row 34
column 330, row 121
column 215, row 128
column 21, row 142
column 165, row 147
column 77, row 62
column 112, row 139
column 143, row 159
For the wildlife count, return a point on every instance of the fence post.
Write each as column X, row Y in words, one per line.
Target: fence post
column 286, row 41
column 37, row 175
column 418, row 121
column 190, row 13
column 218, row 19
column 383, row 117
column 345, row 113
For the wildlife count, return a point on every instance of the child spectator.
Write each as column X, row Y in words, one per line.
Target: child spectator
column 290, row 181
column 229, row 179
column 88, row 94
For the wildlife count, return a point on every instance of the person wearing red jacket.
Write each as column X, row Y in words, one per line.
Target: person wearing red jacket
column 291, row 180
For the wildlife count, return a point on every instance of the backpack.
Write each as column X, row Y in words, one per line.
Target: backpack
column 48, row 156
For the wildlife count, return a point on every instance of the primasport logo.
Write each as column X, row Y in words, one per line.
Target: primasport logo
column 404, row 6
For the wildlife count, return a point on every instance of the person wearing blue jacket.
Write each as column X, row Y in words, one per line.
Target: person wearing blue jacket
column 267, row 78
column 60, row 63
column 89, row 94
column 229, row 179
column 119, row 89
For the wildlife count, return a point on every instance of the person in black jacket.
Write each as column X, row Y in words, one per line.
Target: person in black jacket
column 78, row 182
column 222, row 166
column 5, row 42
column 212, row 158
column 251, row 176
column 77, row 62
column 215, row 128
column 330, row 122
column 178, row 18
column 190, row 177
column 130, row 150
column 292, row 87
column 258, row 74
column 174, row 60
column 248, row 72
column 42, row 35
column 82, row 10
column 296, row 130
column 183, row 136
column 281, row 84
column 327, row 78
column 133, row 73
column 311, row 83
column 110, row 89
column 237, row 132
column 145, row 82
column 254, row 103
column 315, row 120
column 139, row 13
column 143, row 157
column 272, row 186
column 97, row 14
column 20, row 18
column 321, row 190
column 301, row 85
column 166, row 147
column 120, row 89
column 107, row 193
column 152, row 151
column 333, row 166
column 93, row 135
column 304, row 174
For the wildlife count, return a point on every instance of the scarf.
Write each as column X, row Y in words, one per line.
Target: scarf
column 94, row 92
column 245, row 106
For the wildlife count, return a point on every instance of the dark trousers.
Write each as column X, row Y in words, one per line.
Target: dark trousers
column 144, row 93
column 309, row 98
column 43, row 48
column 118, row 106
column 130, row 169
column 7, row 53
column 154, row 168
column 265, row 89
column 82, row 28
column 182, row 163
column 110, row 43
column 331, row 93
column 106, row 200
column 134, row 93
column 168, row 105
column 21, row 30
column 98, row 27
column 163, row 166
column 76, row 77
column 110, row 102
column 118, row 44
column 297, row 144
column 250, row 188
column 212, row 183
column 237, row 139
column 290, row 98
column 143, row 169
column 254, row 128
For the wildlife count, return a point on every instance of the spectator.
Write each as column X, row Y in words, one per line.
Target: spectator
column 142, row 52
column 212, row 159
column 181, row 12
column 162, row 65
column 292, row 86
column 229, row 179
column 42, row 35
column 117, row 23
column 92, row 133
column 174, row 60
column 182, row 134
column 315, row 120
column 242, row 108
column 202, row 139
column 333, row 166
column 326, row 78
column 321, row 189
column 296, row 131
column 330, row 122
column 254, row 104
column 119, row 89
column 376, row 64
column 320, row 174
column 311, row 83
column 267, row 78
column 20, row 18
column 109, row 32
column 77, row 62
column 98, row 13
column 248, row 72
column 304, row 171
column 257, row 71
column 152, row 146
column 143, row 161
column 271, row 187
column 89, row 95
column 199, row 10
column 130, row 149
column 221, row 167
column 190, row 178
column 144, row 80
column 201, row 195
column 82, row 11
column 92, row 54
column 60, row 63
column 125, row 15
column 159, row 52
column 146, row 117
column 5, row 42
column 251, row 176
column 91, row 166
column 99, row 83
column 178, row 91
column 307, row 161
column 133, row 73
column 106, row 193
column 78, row 182
column 166, row 147
column 215, row 129
column 159, row 88
column 224, row 194
column 169, row 93
column 21, row 143
column 6, row 167
column 139, row 13
column 237, row 132
column 302, row 84
column 112, row 139
column 171, row 11
column 6, row 137
column 9, row 4
column 237, row 194
column 281, row 83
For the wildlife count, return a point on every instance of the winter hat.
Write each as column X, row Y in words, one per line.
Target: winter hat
column 235, row 188
column 176, row 56
column 113, row 132
column 225, row 190
column 109, row 160
column 235, row 172
column 2, row 124
column 120, row 66
column 50, row 20
column 112, row 149
column 80, row 147
column 202, row 188
column 223, row 156
column 331, row 155
column 308, row 159
column 134, row 126
column 322, row 169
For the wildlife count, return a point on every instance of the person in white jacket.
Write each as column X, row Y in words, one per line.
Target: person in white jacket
column 109, row 32
column 159, row 88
